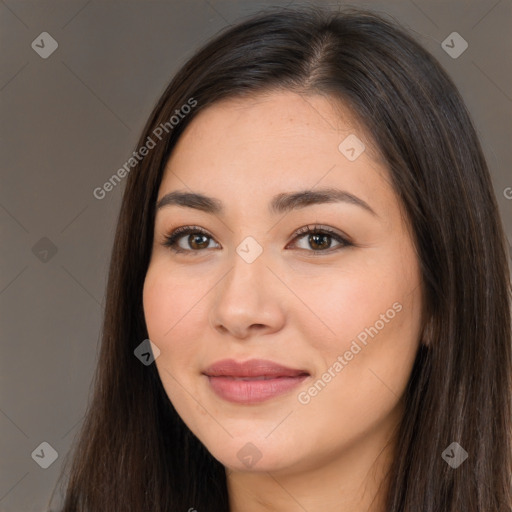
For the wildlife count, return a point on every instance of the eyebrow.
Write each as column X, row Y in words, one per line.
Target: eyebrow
column 280, row 203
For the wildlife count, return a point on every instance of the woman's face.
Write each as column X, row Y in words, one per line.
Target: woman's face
column 328, row 322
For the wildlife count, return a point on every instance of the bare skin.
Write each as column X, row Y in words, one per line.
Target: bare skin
column 302, row 303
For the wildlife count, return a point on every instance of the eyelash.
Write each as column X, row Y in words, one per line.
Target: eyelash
column 173, row 237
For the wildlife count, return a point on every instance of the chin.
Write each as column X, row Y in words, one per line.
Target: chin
column 249, row 454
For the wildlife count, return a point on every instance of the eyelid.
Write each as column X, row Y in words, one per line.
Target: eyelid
column 342, row 239
column 320, row 228
column 175, row 234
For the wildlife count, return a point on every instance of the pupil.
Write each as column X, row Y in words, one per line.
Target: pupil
column 315, row 238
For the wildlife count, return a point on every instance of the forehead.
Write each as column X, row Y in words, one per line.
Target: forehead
column 269, row 143
column 260, row 117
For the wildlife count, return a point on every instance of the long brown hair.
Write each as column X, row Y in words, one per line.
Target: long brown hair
column 134, row 452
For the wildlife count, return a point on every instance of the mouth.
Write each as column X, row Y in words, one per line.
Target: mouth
column 252, row 381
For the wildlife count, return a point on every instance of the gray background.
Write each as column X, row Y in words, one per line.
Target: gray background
column 70, row 121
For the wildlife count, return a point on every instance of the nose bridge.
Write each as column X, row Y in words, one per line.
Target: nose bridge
column 248, row 265
column 246, row 295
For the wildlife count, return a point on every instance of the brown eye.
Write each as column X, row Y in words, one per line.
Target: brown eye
column 197, row 239
column 319, row 239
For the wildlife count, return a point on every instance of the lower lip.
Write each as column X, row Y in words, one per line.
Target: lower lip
column 253, row 391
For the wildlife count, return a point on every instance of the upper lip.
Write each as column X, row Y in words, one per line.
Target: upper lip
column 251, row 368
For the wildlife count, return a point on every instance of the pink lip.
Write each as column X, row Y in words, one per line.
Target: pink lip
column 225, row 378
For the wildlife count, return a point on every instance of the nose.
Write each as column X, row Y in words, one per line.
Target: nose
column 248, row 300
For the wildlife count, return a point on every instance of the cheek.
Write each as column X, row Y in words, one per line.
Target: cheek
column 341, row 305
column 370, row 316
column 366, row 366
column 168, row 298
column 159, row 306
column 171, row 309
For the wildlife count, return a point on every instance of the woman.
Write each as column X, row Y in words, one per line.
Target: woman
column 311, row 243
